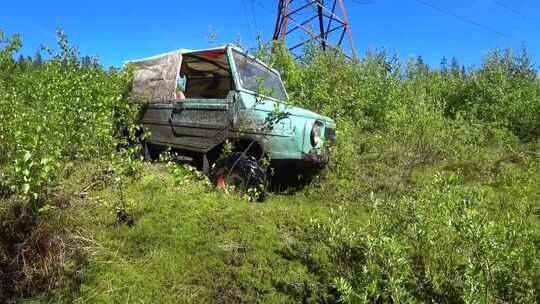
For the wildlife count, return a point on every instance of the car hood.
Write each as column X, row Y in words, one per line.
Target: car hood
column 295, row 111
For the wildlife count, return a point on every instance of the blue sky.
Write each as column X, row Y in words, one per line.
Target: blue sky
column 119, row 30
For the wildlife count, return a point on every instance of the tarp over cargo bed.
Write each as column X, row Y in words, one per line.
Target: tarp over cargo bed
column 154, row 78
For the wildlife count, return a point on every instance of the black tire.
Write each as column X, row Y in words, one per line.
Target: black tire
column 242, row 172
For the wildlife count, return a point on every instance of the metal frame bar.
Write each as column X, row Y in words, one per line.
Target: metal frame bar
column 315, row 38
column 303, row 23
column 331, row 18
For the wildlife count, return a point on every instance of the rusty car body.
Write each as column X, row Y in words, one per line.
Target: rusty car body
column 229, row 96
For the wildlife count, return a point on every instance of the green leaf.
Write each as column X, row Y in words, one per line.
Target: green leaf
column 26, row 188
column 27, row 156
column 46, row 209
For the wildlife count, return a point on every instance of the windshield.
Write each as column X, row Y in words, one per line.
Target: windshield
column 258, row 78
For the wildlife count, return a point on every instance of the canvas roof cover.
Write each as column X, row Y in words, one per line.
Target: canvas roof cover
column 154, row 78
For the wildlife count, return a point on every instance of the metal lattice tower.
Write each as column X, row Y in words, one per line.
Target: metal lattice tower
column 319, row 19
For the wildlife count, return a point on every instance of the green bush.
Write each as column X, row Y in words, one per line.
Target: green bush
column 55, row 115
column 449, row 242
column 443, row 162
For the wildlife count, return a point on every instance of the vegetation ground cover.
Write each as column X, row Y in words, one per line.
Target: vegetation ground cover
column 432, row 195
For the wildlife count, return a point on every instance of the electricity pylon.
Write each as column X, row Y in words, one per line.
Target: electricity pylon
column 319, row 19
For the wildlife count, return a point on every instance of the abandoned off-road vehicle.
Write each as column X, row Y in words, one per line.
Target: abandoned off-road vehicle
column 196, row 101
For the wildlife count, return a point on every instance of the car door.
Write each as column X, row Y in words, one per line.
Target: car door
column 200, row 124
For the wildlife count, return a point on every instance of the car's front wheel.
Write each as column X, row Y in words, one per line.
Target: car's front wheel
column 240, row 173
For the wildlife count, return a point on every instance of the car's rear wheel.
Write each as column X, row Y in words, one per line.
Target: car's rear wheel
column 240, row 173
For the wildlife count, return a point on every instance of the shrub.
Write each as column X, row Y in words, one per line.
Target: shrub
column 444, row 243
column 55, row 115
column 441, row 162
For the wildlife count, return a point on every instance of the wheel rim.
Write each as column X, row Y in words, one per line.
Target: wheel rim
column 231, row 180
column 235, row 181
column 220, row 183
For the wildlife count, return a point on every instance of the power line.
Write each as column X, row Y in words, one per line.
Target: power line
column 464, row 19
column 254, row 16
column 362, row 2
column 248, row 22
column 266, row 9
column 509, row 8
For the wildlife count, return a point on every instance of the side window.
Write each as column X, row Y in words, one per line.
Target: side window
column 205, row 75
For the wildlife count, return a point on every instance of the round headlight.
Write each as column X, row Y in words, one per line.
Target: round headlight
column 316, row 134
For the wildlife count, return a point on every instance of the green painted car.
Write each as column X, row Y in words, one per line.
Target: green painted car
column 197, row 102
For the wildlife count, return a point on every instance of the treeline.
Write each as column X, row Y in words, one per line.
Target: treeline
column 26, row 63
column 504, row 90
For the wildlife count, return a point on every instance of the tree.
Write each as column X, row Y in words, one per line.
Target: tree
column 37, row 59
column 455, row 67
column 23, row 63
column 523, row 64
column 86, row 61
column 421, row 67
column 8, row 47
column 444, row 66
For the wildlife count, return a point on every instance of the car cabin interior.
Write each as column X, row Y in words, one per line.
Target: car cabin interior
column 207, row 75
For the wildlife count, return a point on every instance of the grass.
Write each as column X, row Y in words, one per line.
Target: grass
column 193, row 244
column 190, row 244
